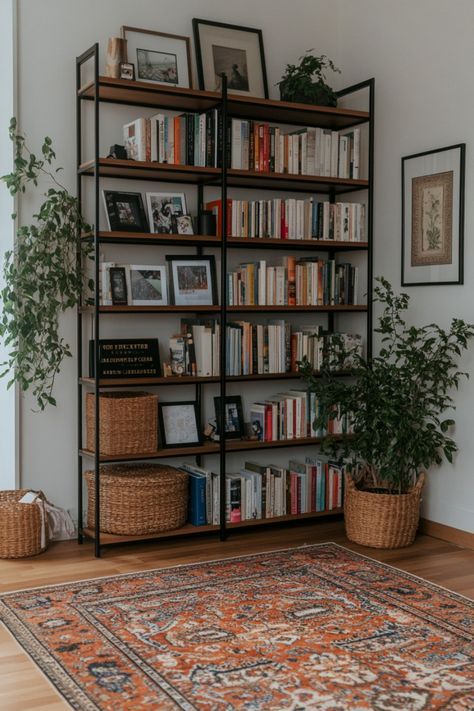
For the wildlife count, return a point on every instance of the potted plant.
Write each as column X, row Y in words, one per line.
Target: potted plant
column 306, row 82
column 395, row 403
column 42, row 275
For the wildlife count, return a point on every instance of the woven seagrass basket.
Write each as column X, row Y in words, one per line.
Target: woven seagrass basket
column 382, row 520
column 21, row 525
column 138, row 499
column 128, row 422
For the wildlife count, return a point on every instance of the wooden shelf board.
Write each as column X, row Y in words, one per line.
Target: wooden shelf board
column 283, row 519
column 290, row 244
column 157, row 309
column 297, row 309
column 156, row 239
column 341, row 308
column 192, row 380
column 137, row 93
column 186, row 530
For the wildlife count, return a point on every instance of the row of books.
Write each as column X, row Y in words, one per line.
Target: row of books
column 253, row 348
column 309, row 281
column 291, row 415
column 265, row 491
column 292, row 218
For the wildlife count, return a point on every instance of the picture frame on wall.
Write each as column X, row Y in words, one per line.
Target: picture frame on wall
column 163, row 211
column 234, row 51
column 148, row 285
column 192, row 280
column 179, row 424
column 124, row 211
column 433, row 216
column 234, row 417
column 159, row 57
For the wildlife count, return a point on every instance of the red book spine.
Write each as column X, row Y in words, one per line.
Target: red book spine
column 251, row 145
column 256, row 135
column 266, row 147
column 298, row 490
column 268, row 423
column 261, row 140
column 293, row 353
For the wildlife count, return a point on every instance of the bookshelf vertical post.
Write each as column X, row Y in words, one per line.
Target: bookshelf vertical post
column 223, row 315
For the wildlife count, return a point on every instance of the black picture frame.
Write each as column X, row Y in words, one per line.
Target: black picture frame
column 238, row 28
column 432, row 249
column 127, row 71
column 125, row 211
column 178, row 297
column 234, row 428
column 118, row 286
column 172, row 430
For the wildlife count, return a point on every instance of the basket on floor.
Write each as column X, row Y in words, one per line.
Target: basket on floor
column 128, row 422
column 21, row 525
column 382, row 520
column 138, row 499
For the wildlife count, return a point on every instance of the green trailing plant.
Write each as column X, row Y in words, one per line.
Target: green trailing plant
column 396, row 402
column 306, row 82
column 42, row 274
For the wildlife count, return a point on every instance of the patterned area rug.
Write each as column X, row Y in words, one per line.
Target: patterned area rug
column 317, row 627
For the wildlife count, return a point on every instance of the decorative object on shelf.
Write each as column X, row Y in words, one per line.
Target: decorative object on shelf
column 160, row 58
column 149, row 285
column 184, row 224
column 125, row 211
column 234, row 51
column 193, row 280
column 234, row 416
column 306, row 82
column 179, row 424
column 138, row 499
column 117, row 151
column 118, row 286
column 128, row 423
column 207, row 223
column 126, row 358
column 127, row 71
column 24, row 527
column 163, row 211
column 29, row 320
column 398, row 430
column 116, row 54
column 433, row 216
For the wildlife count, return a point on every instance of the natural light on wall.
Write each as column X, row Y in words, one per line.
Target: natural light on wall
column 8, row 459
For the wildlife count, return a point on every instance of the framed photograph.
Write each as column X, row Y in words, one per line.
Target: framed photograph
column 193, row 280
column 148, row 285
column 163, row 211
column 234, row 417
column 125, row 212
column 184, row 224
column 234, row 51
column 159, row 58
column 179, row 424
column 118, row 286
column 127, row 71
column 433, row 216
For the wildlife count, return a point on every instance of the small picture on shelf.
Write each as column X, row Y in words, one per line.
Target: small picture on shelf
column 127, row 71
column 164, row 209
column 193, row 280
column 179, row 424
column 149, row 285
column 157, row 66
column 161, row 58
column 125, row 211
column 118, row 286
column 234, row 418
column 184, row 224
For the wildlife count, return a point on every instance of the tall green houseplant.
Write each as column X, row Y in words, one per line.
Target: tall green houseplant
column 42, row 274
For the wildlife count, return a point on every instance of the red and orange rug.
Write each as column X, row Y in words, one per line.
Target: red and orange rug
column 317, row 627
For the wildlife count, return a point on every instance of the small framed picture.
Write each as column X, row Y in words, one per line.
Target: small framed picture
column 234, row 51
column 160, row 58
column 184, row 224
column 179, row 424
column 433, row 216
column 148, row 285
column 234, row 418
column 127, row 71
column 163, row 211
column 118, row 286
column 125, row 211
column 193, row 280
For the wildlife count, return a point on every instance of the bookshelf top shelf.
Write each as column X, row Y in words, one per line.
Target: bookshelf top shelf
column 137, row 93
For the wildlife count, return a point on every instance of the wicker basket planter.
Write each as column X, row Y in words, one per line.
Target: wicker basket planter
column 382, row 520
column 128, row 422
column 137, row 500
column 20, row 526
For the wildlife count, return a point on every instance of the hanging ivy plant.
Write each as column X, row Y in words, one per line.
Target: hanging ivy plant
column 42, row 274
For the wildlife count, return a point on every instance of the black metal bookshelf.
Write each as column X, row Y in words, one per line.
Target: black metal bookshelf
column 140, row 94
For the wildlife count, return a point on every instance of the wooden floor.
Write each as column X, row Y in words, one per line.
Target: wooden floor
column 23, row 687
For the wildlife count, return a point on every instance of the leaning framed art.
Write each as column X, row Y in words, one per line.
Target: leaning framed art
column 159, row 58
column 433, row 216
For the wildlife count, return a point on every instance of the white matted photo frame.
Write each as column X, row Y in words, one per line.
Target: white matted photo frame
column 179, row 424
column 159, row 58
column 433, row 216
column 163, row 211
column 148, row 285
column 234, row 51
column 192, row 280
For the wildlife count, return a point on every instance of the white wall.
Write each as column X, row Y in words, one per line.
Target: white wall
column 421, row 55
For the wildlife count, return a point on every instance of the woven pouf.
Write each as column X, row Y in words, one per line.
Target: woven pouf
column 138, row 499
column 128, row 422
column 20, row 526
column 382, row 520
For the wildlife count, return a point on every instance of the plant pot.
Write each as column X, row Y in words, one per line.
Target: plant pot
column 319, row 98
column 382, row 520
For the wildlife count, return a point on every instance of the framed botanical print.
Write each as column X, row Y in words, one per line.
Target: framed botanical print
column 433, row 216
column 159, row 58
column 234, row 51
